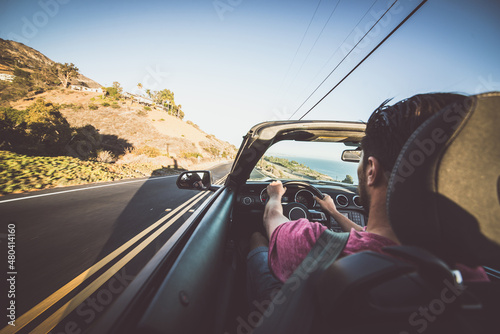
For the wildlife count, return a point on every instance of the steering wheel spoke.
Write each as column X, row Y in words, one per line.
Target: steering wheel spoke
column 295, row 210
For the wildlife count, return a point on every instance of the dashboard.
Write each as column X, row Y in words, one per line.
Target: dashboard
column 252, row 198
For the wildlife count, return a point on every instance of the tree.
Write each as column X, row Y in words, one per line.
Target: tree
column 22, row 79
column 12, row 127
column 40, row 129
column 114, row 91
column 46, row 126
column 348, row 179
column 65, row 72
column 163, row 97
column 119, row 89
column 180, row 113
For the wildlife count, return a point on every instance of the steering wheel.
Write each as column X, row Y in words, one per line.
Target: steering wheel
column 296, row 210
column 306, row 185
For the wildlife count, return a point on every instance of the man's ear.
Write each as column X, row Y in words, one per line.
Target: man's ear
column 375, row 175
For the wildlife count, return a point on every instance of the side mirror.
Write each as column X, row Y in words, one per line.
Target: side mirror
column 195, row 180
column 351, row 155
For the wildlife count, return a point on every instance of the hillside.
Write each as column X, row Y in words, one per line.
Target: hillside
column 170, row 140
column 42, row 118
column 17, row 55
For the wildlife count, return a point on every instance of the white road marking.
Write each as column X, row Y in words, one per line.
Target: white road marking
column 87, row 188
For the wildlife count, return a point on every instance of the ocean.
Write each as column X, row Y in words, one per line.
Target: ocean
column 335, row 169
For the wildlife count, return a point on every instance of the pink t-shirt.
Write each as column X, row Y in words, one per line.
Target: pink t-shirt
column 291, row 242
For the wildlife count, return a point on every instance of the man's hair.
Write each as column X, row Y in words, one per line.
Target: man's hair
column 389, row 127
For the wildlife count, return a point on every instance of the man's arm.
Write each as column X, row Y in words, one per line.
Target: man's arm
column 345, row 223
column 273, row 212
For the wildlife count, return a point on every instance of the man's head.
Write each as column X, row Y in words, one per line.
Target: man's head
column 387, row 130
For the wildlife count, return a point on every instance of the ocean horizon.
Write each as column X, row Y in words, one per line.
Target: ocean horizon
column 338, row 170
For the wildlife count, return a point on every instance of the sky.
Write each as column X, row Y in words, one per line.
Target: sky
column 235, row 63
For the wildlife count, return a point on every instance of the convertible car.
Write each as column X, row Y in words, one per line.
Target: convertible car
column 197, row 282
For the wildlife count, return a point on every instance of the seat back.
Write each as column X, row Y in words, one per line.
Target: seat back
column 444, row 190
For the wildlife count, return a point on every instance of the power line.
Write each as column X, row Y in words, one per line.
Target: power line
column 302, row 41
column 369, row 54
column 342, row 60
column 314, row 44
column 340, row 45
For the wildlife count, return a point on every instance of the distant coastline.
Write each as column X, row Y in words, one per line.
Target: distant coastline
column 337, row 170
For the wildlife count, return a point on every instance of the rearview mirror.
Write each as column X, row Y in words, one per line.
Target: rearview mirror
column 196, row 180
column 351, row 155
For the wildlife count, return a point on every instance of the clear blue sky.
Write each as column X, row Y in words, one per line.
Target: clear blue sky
column 232, row 63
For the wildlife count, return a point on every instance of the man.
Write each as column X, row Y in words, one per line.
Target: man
column 387, row 130
column 196, row 181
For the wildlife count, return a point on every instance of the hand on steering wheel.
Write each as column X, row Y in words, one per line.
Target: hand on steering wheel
column 326, row 204
column 275, row 188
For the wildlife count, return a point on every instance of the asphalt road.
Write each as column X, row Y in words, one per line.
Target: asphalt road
column 77, row 248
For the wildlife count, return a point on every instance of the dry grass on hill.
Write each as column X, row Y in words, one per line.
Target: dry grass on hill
column 60, row 96
column 156, row 137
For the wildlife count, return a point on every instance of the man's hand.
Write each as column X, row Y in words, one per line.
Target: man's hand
column 345, row 223
column 327, row 204
column 275, row 189
column 273, row 212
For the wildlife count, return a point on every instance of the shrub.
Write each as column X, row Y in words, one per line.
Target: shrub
column 147, row 108
column 115, row 105
column 193, row 124
column 162, row 119
column 93, row 106
column 105, row 104
column 214, row 151
column 149, row 151
column 72, row 106
column 348, row 179
column 105, row 156
column 188, row 155
column 142, row 113
column 77, row 107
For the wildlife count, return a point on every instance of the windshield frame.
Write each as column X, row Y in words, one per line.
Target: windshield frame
column 263, row 135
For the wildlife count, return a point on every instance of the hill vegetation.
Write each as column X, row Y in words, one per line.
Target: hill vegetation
column 284, row 168
column 20, row 173
column 51, row 135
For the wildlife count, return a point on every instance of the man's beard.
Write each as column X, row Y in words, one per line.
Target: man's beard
column 363, row 194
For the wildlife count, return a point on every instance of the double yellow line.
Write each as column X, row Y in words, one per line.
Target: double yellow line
column 72, row 304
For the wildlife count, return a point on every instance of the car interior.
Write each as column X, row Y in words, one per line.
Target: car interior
column 444, row 208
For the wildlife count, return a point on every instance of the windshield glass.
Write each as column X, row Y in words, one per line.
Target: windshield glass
column 311, row 161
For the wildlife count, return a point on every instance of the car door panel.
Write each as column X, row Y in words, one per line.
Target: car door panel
column 187, row 298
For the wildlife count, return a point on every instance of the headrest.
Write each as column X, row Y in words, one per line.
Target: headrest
column 444, row 190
